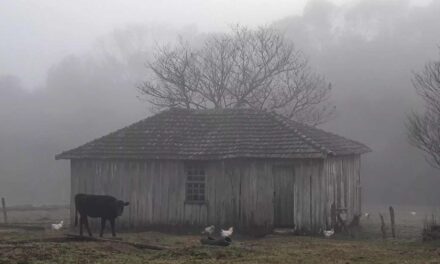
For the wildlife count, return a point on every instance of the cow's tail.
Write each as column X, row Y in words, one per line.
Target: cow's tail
column 76, row 211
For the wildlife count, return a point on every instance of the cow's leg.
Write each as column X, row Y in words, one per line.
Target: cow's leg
column 86, row 222
column 102, row 226
column 112, row 223
column 81, row 220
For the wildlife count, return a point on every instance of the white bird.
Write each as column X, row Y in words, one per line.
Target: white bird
column 413, row 213
column 227, row 233
column 209, row 230
column 329, row 233
column 58, row 226
column 367, row 215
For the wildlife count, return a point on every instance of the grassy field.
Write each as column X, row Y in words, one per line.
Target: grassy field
column 366, row 247
column 187, row 249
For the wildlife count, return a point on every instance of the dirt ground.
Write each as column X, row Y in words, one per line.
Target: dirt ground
column 46, row 246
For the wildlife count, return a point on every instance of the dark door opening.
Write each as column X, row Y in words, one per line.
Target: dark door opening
column 284, row 204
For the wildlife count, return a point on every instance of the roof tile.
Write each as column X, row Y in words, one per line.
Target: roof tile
column 215, row 134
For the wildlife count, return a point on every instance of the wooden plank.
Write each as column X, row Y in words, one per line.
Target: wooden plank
column 227, row 193
column 308, row 197
column 149, row 182
column 297, row 195
column 156, row 173
column 171, row 193
column 133, row 194
column 315, row 197
column 164, row 194
column 141, row 199
column 212, row 173
column 73, row 189
column 265, row 195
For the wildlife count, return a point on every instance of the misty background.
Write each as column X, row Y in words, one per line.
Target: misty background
column 68, row 75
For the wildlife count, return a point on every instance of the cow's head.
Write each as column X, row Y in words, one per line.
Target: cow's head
column 120, row 207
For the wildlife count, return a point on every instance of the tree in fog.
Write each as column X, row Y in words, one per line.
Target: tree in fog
column 424, row 128
column 243, row 69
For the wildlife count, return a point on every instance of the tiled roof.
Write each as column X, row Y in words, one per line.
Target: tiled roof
column 215, row 134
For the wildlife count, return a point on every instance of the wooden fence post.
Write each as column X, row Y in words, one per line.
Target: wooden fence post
column 383, row 227
column 393, row 228
column 5, row 214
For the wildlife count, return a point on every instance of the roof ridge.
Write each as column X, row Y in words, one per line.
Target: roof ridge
column 287, row 123
column 334, row 134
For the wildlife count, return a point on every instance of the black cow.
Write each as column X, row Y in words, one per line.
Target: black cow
column 104, row 206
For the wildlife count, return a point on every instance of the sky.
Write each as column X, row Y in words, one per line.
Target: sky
column 37, row 33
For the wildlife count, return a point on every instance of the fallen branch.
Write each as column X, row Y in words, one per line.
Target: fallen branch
column 134, row 244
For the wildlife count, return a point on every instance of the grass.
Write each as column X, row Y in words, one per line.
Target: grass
column 187, row 249
column 366, row 247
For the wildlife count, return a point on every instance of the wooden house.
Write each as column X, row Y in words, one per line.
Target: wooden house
column 254, row 170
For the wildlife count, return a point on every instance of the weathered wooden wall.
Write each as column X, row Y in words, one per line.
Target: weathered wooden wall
column 239, row 193
column 308, row 193
column 343, row 184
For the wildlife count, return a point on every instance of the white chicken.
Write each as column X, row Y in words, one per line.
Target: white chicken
column 227, row 233
column 413, row 213
column 57, row 226
column 329, row 233
column 367, row 215
column 209, row 230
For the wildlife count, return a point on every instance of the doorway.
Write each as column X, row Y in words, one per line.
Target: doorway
column 284, row 194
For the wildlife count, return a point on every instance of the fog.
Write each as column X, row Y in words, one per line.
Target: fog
column 72, row 78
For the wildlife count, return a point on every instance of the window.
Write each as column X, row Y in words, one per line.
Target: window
column 195, row 183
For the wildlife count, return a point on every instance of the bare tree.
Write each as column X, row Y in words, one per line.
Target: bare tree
column 243, row 69
column 424, row 128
